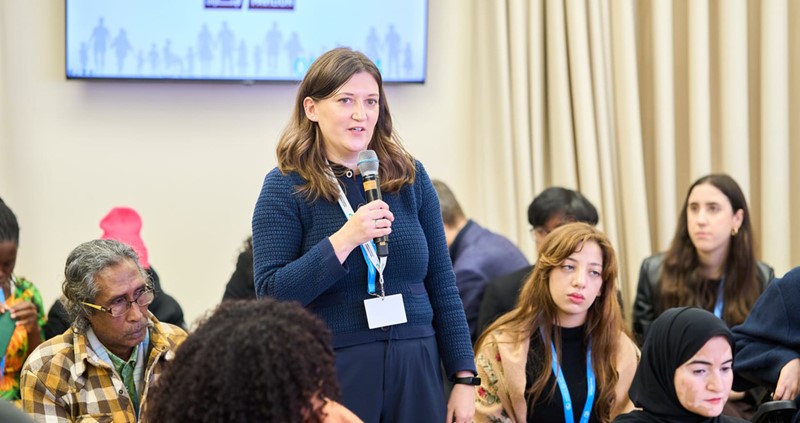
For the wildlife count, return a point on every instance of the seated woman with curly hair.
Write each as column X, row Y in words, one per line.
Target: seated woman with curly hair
column 252, row 361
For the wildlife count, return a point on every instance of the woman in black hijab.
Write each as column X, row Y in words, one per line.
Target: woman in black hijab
column 685, row 374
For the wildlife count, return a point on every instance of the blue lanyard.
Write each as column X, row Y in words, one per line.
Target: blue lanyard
column 562, row 386
column 720, row 295
column 370, row 270
column 375, row 264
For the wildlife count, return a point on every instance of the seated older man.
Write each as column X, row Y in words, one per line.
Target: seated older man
column 101, row 368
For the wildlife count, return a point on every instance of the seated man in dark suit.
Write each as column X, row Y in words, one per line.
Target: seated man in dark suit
column 478, row 254
column 550, row 209
column 768, row 342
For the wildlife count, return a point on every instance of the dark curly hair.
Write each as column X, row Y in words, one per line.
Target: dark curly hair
column 250, row 361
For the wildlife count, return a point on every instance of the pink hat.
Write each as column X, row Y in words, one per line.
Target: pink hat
column 123, row 224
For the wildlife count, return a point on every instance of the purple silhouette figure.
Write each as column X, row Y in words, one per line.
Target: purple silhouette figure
column 205, row 47
column 100, row 36
column 272, row 46
column 121, row 47
column 227, row 43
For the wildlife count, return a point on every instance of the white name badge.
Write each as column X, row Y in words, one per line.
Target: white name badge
column 385, row 311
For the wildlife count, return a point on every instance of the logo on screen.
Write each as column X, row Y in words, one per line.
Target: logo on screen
column 272, row 4
column 223, row 4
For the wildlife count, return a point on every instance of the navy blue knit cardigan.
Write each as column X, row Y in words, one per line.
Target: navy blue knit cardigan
column 294, row 261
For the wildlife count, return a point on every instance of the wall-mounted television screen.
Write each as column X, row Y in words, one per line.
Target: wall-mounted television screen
column 240, row 40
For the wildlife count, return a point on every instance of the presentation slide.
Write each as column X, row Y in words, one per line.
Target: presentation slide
column 240, row 40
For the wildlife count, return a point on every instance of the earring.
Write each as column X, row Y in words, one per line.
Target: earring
column 734, row 231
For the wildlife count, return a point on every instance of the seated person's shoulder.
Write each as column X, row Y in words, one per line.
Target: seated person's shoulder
column 627, row 347
column 57, row 352
column 337, row 413
column 653, row 263
column 170, row 334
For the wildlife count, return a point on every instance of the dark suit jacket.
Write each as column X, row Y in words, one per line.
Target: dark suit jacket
column 500, row 296
column 479, row 256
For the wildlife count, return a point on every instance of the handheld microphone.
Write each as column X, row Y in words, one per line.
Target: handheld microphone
column 368, row 166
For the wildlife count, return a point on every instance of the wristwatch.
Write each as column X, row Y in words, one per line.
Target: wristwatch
column 471, row 380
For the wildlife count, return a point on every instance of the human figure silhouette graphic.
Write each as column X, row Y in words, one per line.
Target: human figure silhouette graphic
column 140, row 62
column 392, row 41
column 273, row 46
column 84, row 54
column 242, row 62
column 121, row 47
column 173, row 64
column 293, row 50
column 190, row 61
column 408, row 61
column 153, row 59
column 373, row 43
column 99, row 42
column 205, row 49
column 257, row 60
column 227, row 42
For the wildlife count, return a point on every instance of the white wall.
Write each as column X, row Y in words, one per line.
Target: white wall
column 3, row 121
column 189, row 156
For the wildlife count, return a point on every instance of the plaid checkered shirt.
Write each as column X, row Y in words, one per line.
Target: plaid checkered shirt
column 64, row 380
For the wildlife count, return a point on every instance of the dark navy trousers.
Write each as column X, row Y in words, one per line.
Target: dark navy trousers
column 395, row 381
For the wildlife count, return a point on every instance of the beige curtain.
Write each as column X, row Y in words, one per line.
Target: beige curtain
column 629, row 102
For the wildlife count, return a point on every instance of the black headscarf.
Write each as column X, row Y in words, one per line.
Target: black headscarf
column 673, row 338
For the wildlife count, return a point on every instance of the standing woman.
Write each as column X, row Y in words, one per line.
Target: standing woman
column 24, row 302
column 562, row 355
column 711, row 263
column 309, row 225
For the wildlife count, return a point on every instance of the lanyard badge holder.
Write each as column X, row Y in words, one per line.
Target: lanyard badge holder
column 719, row 304
column 382, row 310
column 564, row 389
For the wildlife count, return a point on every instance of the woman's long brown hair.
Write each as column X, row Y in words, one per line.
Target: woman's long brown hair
column 536, row 311
column 682, row 282
column 301, row 147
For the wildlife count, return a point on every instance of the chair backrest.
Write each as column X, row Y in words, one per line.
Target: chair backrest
column 775, row 412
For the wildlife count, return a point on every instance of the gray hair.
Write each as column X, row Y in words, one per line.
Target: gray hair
column 83, row 265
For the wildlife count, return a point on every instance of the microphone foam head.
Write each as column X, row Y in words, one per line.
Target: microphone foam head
column 368, row 162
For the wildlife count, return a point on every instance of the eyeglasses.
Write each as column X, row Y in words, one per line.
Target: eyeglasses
column 122, row 306
column 541, row 231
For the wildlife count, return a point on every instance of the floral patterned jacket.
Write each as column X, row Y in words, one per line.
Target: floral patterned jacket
column 501, row 367
column 17, row 350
